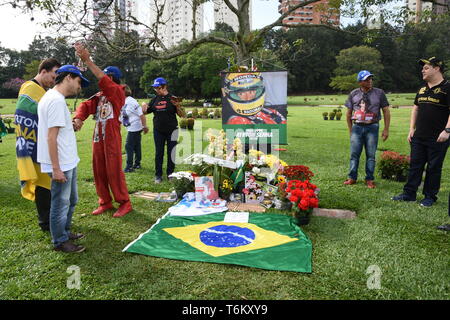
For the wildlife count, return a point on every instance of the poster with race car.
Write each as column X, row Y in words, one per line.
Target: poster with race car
column 254, row 106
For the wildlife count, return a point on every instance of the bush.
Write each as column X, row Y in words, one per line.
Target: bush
column 217, row 113
column 332, row 115
column 190, row 123
column 183, row 123
column 393, row 166
column 195, row 113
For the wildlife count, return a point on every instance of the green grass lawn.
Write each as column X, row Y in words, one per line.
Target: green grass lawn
column 399, row 238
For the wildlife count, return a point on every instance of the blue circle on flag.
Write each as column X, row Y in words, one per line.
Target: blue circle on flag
column 223, row 236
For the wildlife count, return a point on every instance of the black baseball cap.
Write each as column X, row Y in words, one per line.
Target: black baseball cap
column 435, row 62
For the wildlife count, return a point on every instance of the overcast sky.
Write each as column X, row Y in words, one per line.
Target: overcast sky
column 17, row 31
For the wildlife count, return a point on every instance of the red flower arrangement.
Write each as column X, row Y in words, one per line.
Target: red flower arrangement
column 303, row 196
column 394, row 165
column 298, row 173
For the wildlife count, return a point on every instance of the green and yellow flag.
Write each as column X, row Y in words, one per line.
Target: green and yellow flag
column 266, row 241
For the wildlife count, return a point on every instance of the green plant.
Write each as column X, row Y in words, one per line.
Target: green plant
column 393, row 165
column 338, row 115
column 332, row 115
column 190, row 123
column 195, row 113
column 183, row 123
column 325, row 114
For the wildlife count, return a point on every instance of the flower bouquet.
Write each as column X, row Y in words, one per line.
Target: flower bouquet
column 298, row 173
column 183, row 181
column 303, row 196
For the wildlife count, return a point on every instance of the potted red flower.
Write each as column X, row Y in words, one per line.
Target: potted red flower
column 303, row 196
column 298, row 173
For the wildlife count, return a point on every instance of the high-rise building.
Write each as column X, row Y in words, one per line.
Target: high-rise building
column 315, row 13
column 175, row 20
column 223, row 14
column 417, row 7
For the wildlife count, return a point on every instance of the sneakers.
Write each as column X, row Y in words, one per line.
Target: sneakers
column 370, row 184
column 127, row 169
column 349, row 181
column 158, row 180
column 137, row 166
column 427, row 202
column 102, row 209
column 403, row 197
column 123, row 209
column 75, row 236
column 444, row 227
column 69, row 247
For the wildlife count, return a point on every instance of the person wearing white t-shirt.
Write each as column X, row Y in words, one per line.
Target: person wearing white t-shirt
column 58, row 156
column 134, row 120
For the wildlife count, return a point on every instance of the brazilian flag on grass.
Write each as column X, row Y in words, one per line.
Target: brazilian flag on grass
column 267, row 241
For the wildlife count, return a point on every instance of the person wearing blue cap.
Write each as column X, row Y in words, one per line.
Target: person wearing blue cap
column 363, row 116
column 429, row 132
column 58, row 156
column 106, row 107
column 165, row 107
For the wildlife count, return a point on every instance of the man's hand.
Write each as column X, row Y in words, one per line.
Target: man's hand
column 411, row 134
column 144, row 107
column 77, row 124
column 443, row 136
column 385, row 134
column 82, row 52
column 145, row 130
column 59, row 176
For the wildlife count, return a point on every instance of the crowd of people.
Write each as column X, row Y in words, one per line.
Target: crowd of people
column 47, row 161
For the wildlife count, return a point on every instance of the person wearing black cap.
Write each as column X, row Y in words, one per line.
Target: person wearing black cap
column 429, row 133
column 106, row 107
column 58, row 156
column 165, row 107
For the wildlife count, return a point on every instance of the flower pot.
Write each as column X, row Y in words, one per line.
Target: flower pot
column 325, row 118
column 302, row 220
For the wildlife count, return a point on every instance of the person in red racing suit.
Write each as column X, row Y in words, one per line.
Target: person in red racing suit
column 266, row 115
column 107, row 140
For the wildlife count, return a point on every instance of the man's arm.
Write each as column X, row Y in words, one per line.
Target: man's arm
column 348, row 117
column 412, row 122
column 444, row 135
column 57, row 175
column 387, row 122
column 85, row 56
column 144, row 123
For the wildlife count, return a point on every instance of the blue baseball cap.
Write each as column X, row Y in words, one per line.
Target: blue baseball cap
column 363, row 75
column 114, row 71
column 159, row 82
column 72, row 69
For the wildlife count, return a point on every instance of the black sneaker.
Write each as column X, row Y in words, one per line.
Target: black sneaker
column 69, row 247
column 137, row 166
column 128, row 170
column 403, row 197
column 444, row 227
column 75, row 236
column 427, row 202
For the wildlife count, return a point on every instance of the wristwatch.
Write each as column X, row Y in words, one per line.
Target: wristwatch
column 447, row 130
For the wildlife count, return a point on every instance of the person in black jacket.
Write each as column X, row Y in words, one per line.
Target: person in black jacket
column 165, row 107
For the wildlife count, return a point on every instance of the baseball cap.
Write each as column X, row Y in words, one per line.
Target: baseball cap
column 114, row 71
column 432, row 61
column 363, row 75
column 72, row 69
column 159, row 82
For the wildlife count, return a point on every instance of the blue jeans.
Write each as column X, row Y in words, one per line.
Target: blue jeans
column 64, row 199
column 133, row 147
column 363, row 136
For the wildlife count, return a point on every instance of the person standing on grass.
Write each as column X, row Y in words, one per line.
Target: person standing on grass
column 107, row 141
column 58, row 156
column 363, row 116
column 429, row 132
column 165, row 107
column 133, row 118
column 35, row 185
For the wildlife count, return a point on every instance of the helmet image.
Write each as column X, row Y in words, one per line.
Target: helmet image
column 245, row 92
